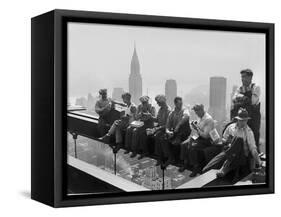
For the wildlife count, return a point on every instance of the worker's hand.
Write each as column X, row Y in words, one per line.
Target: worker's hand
column 117, row 122
column 239, row 97
column 170, row 134
column 229, row 139
column 148, row 115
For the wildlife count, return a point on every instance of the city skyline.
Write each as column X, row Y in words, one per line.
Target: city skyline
column 188, row 56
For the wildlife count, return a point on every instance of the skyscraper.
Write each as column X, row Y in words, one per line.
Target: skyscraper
column 135, row 79
column 217, row 100
column 117, row 93
column 170, row 91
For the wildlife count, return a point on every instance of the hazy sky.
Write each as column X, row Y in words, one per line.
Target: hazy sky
column 99, row 56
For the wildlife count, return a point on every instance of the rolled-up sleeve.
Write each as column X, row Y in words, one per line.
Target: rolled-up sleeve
column 226, row 133
column 256, row 95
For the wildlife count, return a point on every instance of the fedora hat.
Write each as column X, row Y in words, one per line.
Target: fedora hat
column 242, row 114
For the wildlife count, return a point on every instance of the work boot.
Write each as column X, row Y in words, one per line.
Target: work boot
column 195, row 171
column 105, row 138
column 168, row 162
column 133, row 155
column 127, row 152
column 158, row 163
column 182, row 168
column 117, row 148
column 224, row 169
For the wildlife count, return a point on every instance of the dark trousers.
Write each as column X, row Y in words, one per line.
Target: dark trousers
column 170, row 145
column 129, row 138
column 159, row 138
column 254, row 123
column 184, row 150
column 102, row 126
column 117, row 129
column 235, row 154
column 136, row 139
column 195, row 159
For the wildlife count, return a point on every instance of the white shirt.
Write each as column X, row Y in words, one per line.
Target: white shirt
column 205, row 124
column 245, row 133
column 128, row 112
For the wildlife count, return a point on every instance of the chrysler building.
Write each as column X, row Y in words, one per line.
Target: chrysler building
column 135, row 79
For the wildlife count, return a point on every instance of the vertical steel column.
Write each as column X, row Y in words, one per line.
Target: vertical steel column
column 115, row 163
column 163, row 177
column 75, row 135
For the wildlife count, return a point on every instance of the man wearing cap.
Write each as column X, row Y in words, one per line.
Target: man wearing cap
column 248, row 96
column 103, row 107
column 159, row 131
column 201, row 137
column 177, row 130
column 119, row 125
column 145, row 115
column 240, row 148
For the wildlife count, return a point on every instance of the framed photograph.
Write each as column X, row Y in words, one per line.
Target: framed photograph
column 135, row 108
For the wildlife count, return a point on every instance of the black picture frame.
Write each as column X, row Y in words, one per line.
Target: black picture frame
column 48, row 108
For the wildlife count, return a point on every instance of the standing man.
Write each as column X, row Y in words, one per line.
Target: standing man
column 177, row 130
column 248, row 97
column 121, row 124
column 241, row 148
column 103, row 107
column 202, row 140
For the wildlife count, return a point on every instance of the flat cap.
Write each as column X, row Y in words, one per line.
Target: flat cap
column 198, row 107
column 102, row 91
column 144, row 99
column 249, row 72
column 160, row 98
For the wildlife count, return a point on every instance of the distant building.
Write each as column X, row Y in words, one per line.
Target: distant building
column 170, row 91
column 117, row 93
column 82, row 101
column 217, row 107
column 150, row 176
column 157, row 184
column 91, row 101
column 135, row 79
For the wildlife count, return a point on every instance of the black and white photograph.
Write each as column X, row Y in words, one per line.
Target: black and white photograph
column 160, row 109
